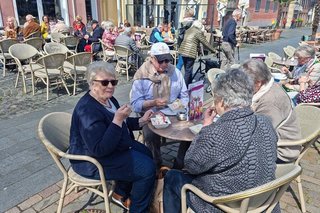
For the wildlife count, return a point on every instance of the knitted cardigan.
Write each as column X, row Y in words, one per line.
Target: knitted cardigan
column 220, row 144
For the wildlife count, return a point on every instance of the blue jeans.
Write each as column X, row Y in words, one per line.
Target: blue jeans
column 173, row 183
column 180, row 63
column 139, row 185
column 188, row 67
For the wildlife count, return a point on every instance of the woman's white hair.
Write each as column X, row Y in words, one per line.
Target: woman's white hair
column 107, row 25
column 99, row 67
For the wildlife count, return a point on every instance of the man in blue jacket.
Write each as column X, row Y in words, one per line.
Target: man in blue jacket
column 229, row 40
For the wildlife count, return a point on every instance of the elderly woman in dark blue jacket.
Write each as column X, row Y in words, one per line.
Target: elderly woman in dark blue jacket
column 102, row 129
column 235, row 153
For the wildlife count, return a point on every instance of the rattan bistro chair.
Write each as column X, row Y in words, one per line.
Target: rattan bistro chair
column 36, row 42
column 50, row 71
column 309, row 120
column 54, row 131
column 76, row 67
column 5, row 57
column 54, row 47
column 23, row 53
column 122, row 55
column 259, row 199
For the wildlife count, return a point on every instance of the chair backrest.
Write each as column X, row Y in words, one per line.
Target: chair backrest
column 56, row 37
column 261, row 197
column 54, row 47
column 36, row 34
column 70, row 41
column 291, row 48
column 23, row 51
column 258, row 199
column 80, row 59
column 122, row 51
column 309, row 121
column 54, row 131
column 6, row 43
column 288, row 52
column 213, row 73
column 52, row 61
column 268, row 61
column 274, row 55
column 35, row 42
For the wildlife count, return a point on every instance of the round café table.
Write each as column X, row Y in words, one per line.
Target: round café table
column 177, row 131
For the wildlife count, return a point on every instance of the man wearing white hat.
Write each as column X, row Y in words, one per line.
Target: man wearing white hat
column 156, row 84
column 30, row 26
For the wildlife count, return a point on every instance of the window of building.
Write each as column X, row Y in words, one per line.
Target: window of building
column 51, row 8
column 275, row 6
column 26, row 7
column 267, row 6
column 258, row 4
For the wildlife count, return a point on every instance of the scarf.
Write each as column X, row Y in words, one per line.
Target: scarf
column 263, row 90
column 161, row 81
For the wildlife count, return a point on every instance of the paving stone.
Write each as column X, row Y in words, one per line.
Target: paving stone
column 49, row 191
column 50, row 209
column 30, row 210
column 29, row 202
column 13, row 210
column 72, row 196
column 46, row 202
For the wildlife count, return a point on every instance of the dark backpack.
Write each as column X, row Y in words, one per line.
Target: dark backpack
column 182, row 30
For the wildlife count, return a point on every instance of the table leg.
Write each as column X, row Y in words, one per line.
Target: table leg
column 179, row 161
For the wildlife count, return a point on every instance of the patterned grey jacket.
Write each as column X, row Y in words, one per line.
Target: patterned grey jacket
column 220, row 144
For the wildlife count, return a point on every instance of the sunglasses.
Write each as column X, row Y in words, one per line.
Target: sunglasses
column 106, row 82
column 164, row 61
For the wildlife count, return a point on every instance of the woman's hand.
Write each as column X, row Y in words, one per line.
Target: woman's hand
column 146, row 117
column 121, row 114
column 209, row 115
column 284, row 70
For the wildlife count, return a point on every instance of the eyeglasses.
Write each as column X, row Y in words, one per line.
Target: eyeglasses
column 106, row 82
column 164, row 61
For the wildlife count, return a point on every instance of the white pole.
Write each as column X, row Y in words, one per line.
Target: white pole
column 119, row 12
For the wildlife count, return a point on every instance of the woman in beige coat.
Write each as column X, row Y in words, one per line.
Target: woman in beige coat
column 189, row 48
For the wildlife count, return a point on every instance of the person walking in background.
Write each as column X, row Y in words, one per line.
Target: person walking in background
column 185, row 24
column 229, row 40
column 293, row 23
column 189, row 48
column 284, row 22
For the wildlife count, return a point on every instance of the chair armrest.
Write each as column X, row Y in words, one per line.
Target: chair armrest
column 291, row 143
column 84, row 158
column 196, row 191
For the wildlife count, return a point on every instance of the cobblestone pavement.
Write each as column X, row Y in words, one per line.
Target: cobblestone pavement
column 30, row 181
